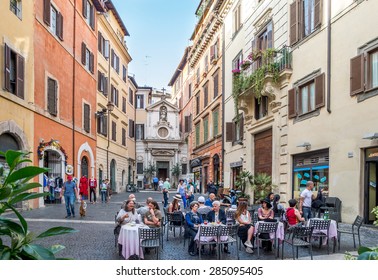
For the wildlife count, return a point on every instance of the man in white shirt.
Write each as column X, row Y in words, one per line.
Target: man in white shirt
column 305, row 201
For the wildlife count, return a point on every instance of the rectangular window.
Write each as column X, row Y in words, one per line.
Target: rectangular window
column 102, row 83
column 237, row 19
column 139, row 131
column 87, row 58
column 139, row 167
column 102, row 124
column 123, row 104
column 124, row 73
column 205, row 129
column 87, row 114
column 14, row 72
column 131, row 96
column 306, row 97
column 206, row 63
column 139, row 101
column 184, row 169
column 115, row 61
column 198, row 76
column 103, row 45
column 53, row 14
column 114, row 95
column 373, row 69
column 88, row 13
column 216, row 122
column 131, row 128
column 261, row 107
column 237, row 61
column 123, row 137
column 205, row 95
column 198, row 98
column 52, row 96
column 190, row 91
column 198, row 130
column 305, row 18
column 214, row 52
column 216, row 83
column 16, row 7
column 114, row 131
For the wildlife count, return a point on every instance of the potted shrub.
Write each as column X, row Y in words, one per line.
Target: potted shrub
column 244, row 179
column 262, row 185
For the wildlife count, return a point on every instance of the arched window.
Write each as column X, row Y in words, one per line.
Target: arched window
column 7, row 142
column 84, row 166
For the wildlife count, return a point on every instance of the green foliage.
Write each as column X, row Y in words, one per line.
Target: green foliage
column 150, row 170
column 244, row 179
column 15, row 187
column 262, row 185
column 364, row 253
column 176, row 171
column 375, row 212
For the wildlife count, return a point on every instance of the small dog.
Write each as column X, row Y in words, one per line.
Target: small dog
column 83, row 208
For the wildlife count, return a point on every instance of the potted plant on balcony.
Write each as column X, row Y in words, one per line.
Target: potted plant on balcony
column 244, row 179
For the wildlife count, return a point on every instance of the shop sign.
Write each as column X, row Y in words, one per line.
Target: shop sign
column 69, row 169
column 236, row 164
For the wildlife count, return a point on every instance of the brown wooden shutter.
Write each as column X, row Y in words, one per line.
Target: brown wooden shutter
column 317, row 13
column 99, row 123
column 105, row 85
column 92, row 18
column 357, row 74
column 20, row 76
column 241, row 127
column 319, row 91
column 7, row 55
column 292, row 112
column 51, row 96
column 59, row 26
column 105, row 126
column 112, row 58
column 85, row 3
column 99, row 38
column 83, row 53
column 114, row 131
column 47, row 11
column 142, row 128
column 99, row 80
column 86, row 117
column 112, row 93
column 91, row 63
column 294, row 23
column 229, row 132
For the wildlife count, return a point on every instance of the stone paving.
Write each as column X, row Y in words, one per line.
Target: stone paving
column 95, row 239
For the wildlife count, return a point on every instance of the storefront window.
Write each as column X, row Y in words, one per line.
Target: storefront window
column 311, row 167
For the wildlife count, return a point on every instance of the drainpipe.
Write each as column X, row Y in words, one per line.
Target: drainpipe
column 223, row 98
column 109, row 115
column 73, row 87
column 329, row 58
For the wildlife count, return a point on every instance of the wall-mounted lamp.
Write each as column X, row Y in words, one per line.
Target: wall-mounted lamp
column 306, row 145
column 371, row 136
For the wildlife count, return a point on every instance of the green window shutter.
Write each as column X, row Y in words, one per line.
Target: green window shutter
column 197, row 134
column 215, row 123
column 205, row 129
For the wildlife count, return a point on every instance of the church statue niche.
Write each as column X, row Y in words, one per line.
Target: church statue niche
column 163, row 113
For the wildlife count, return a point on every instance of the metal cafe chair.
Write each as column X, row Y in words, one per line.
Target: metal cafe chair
column 298, row 236
column 206, row 233
column 150, row 238
column 231, row 231
column 263, row 231
column 321, row 230
column 354, row 230
column 175, row 220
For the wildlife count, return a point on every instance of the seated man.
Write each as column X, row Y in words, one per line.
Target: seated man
column 218, row 215
column 203, row 209
column 210, row 200
column 144, row 209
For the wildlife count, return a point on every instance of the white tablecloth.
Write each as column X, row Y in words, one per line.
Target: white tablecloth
column 280, row 232
column 209, row 238
column 129, row 239
column 332, row 230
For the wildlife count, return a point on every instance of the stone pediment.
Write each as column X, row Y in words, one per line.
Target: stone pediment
column 162, row 153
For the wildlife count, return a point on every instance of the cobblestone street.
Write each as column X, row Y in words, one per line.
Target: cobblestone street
column 95, row 239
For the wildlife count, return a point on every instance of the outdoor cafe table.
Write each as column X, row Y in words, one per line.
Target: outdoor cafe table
column 129, row 239
column 332, row 230
column 210, row 238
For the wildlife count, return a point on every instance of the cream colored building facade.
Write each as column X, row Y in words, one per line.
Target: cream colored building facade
column 16, row 76
column 115, row 139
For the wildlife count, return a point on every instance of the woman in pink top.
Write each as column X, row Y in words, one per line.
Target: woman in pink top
column 265, row 212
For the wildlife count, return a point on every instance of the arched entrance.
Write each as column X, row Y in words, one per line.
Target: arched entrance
column 113, row 175
column 84, row 167
column 7, row 142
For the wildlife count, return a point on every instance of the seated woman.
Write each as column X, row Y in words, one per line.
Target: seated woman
column 243, row 217
column 174, row 205
column 153, row 217
column 265, row 212
column 292, row 214
column 128, row 213
column 193, row 220
column 278, row 208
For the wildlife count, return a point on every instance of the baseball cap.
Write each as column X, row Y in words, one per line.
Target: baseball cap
column 201, row 199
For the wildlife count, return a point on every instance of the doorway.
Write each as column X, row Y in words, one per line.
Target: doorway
column 163, row 170
column 84, row 167
column 113, row 175
column 370, row 191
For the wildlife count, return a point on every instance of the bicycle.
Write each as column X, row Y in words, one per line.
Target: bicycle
column 132, row 188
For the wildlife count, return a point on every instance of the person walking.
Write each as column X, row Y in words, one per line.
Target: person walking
column 104, row 190
column 306, row 200
column 165, row 190
column 155, row 181
column 92, row 189
column 181, row 189
column 69, row 191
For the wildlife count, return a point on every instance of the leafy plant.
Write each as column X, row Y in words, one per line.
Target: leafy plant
column 375, row 212
column 244, row 179
column 364, row 253
column 15, row 187
column 150, row 170
column 262, row 185
column 176, row 171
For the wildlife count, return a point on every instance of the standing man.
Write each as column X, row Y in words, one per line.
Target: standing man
column 165, row 190
column 155, row 180
column 305, row 201
column 92, row 189
column 69, row 191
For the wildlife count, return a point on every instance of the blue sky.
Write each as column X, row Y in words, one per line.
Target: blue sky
column 159, row 33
